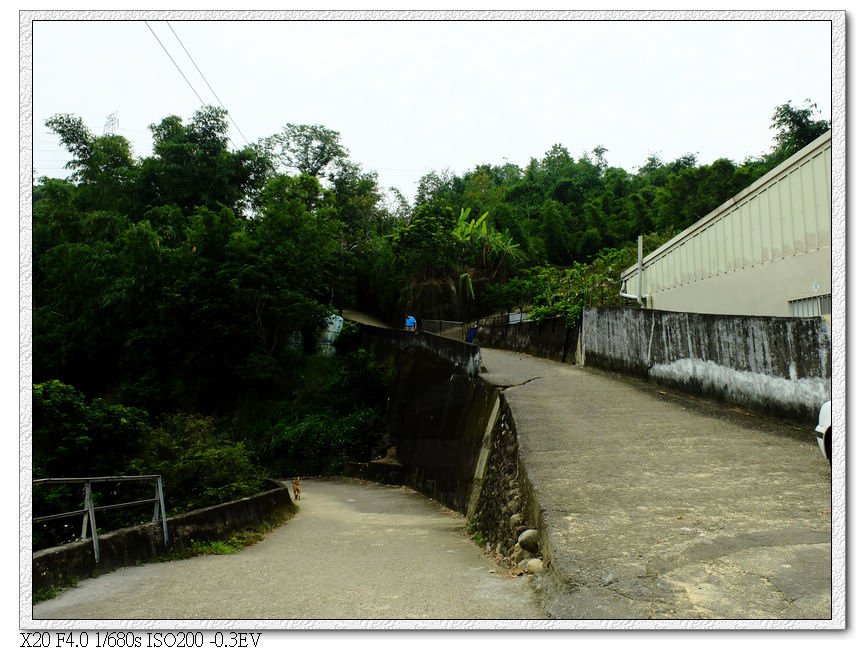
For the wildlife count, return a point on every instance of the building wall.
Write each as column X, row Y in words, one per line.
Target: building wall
column 767, row 246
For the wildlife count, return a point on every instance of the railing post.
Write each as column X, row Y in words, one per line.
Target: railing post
column 160, row 503
column 86, row 513
column 89, row 509
column 88, row 505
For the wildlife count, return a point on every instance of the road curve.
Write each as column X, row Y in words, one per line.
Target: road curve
column 355, row 550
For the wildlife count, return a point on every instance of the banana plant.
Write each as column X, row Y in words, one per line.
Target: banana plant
column 466, row 230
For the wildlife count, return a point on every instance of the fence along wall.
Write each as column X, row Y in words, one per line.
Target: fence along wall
column 779, row 366
column 757, row 253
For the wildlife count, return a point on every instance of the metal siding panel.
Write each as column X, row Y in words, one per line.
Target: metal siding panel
column 738, row 239
column 707, row 256
column 809, row 196
column 754, row 223
column 665, row 273
column 714, row 249
column 786, row 216
column 774, row 217
column 669, row 279
column 686, row 274
column 823, row 167
column 690, row 266
column 765, row 231
column 700, row 252
column 752, row 234
column 727, row 246
column 695, row 260
column 798, row 212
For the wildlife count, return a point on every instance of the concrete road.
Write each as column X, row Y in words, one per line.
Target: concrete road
column 666, row 506
column 356, row 550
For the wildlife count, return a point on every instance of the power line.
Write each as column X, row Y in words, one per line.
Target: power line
column 175, row 64
column 205, row 81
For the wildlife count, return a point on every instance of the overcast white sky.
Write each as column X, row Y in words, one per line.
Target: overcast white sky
column 409, row 97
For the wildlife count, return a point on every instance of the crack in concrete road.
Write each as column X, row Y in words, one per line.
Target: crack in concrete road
column 633, row 482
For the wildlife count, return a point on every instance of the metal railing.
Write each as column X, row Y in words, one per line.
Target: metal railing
column 460, row 331
column 452, row 329
column 89, row 510
column 505, row 319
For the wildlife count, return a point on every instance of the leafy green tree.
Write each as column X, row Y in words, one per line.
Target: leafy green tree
column 796, row 128
column 556, row 232
column 101, row 166
column 424, row 247
column 307, row 148
column 76, row 437
column 192, row 166
column 200, row 466
column 438, row 190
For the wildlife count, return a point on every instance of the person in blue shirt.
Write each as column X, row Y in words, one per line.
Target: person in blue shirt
column 410, row 323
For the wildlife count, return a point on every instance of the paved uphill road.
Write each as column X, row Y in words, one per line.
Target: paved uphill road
column 355, row 550
column 658, row 505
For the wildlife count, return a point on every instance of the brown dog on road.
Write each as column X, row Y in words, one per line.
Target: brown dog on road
column 295, row 485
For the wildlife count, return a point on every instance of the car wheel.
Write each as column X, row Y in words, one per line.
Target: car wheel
column 827, row 442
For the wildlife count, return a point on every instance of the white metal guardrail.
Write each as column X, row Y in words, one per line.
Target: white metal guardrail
column 88, row 513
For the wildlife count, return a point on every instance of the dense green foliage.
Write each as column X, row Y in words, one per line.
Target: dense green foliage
column 77, row 437
column 177, row 298
column 177, row 303
column 573, row 221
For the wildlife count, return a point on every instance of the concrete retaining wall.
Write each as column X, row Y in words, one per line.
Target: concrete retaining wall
column 455, row 442
column 778, row 366
column 461, row 356
column 60, row 565
column 548, row 339
column 437, row 415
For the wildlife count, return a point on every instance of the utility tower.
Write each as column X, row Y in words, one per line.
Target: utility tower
column 111, row 124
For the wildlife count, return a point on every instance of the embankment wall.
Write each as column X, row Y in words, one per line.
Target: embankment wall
column 454, row 435
column 437, row 409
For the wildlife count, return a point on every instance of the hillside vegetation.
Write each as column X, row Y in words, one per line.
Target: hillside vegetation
column 177, row 298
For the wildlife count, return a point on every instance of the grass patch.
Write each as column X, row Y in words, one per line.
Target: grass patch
column 233, row 544
column 473, row 529
column 52, row 591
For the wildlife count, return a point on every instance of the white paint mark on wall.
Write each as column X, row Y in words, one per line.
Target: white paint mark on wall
column 745, row 386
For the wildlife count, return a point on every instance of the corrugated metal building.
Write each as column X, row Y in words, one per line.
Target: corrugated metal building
column 765, row 252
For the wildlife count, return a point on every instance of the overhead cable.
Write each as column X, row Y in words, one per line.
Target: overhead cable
column 205, row 81
column 175, row 64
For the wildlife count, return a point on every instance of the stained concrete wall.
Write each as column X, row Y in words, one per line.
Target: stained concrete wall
column 779, row 366
column 454, row 435
column 461, row 356
column 60, row 565
column 437, row 411
column 548, row 339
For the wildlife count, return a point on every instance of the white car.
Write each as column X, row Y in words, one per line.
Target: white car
column 824, row 430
